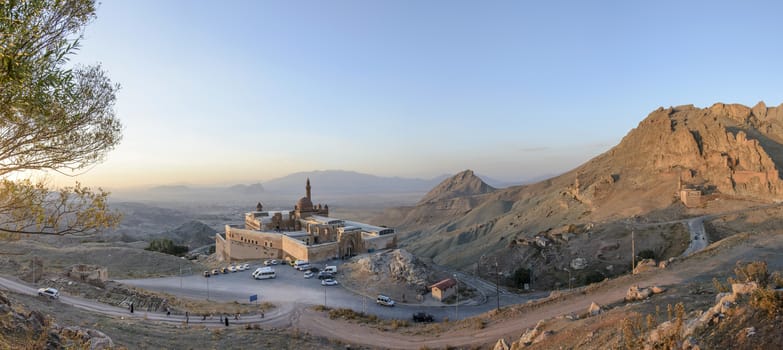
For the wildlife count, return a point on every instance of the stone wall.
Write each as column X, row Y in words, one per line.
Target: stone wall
column 379, row 242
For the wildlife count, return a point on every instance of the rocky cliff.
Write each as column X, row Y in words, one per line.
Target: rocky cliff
column 726, row 151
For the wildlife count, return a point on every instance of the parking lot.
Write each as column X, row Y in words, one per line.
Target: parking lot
column 289, row 288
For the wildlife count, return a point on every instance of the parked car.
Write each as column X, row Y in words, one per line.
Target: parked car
column 331, row 269
column 215, row 272
column 206, row 274
column 323, row 275
column 49, row 292
column 384, row 300
column 423, row 317
column 244, row 267
column 232, row 268
column 224, row 270
column 308, row 274
column 329, row 282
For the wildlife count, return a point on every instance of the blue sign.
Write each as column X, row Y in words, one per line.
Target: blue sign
column 254, row 297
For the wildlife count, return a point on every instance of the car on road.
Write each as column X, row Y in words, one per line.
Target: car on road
column 423, row 317
column 331, row 269
column 215, row 272
column 49, row 292
column 206, row 274
column 329, row 282
column 384, row 300
column 308, row 274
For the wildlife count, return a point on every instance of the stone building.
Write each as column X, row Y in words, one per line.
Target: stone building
column 443, row 289
column 690, row 197
column 304, row 233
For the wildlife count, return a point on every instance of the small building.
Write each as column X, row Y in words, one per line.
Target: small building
column 88, row 273
column 690, row 197
column 443, row 289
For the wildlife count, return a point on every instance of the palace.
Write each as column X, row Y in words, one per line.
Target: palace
column 305, row 233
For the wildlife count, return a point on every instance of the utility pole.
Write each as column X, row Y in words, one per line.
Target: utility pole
column 633, row 253
column 456, row 306
column 497, row 284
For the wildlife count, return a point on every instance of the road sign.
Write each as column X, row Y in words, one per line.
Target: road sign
column 254, row 297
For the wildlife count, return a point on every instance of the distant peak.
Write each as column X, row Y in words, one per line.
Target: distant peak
column 465, row 183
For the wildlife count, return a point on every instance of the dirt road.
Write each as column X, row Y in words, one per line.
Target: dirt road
column 510, row 326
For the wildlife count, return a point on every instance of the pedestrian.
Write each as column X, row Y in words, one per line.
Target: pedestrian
column 236, row 317
column 131, row 307
column 168, row 311
column 221, row 318
column 262, row 314
column 187, row 317
column 226, row 319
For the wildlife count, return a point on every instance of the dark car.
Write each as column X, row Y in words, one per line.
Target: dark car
column 422, row 317
column 324, row 275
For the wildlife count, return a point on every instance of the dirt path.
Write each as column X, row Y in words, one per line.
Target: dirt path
column 510, row 327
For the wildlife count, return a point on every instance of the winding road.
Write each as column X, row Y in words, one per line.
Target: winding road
column 292, row 295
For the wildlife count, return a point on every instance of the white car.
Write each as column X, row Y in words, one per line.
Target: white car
column 49, row 292
column 232, row 268
column 244, row 267
column 308, row 274
column 271, row 262
column 384, row 300
column 329, row 282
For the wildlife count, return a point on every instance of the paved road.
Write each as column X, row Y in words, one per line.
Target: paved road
column 290, row 289
column 699, row 238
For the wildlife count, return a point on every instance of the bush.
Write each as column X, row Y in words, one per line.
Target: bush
column 768, row 301
column 755, row 271
column 167, row 246
column 646, row 254
column 594, row 277
column 520, row 277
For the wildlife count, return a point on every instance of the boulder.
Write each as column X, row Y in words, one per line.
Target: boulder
column 594, row 309
column 657, row 290
column 501, row 345
column 636, row 293
column 579, row 263
column 645, row 265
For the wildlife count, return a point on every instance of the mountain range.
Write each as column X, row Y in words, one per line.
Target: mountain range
column 727, row 152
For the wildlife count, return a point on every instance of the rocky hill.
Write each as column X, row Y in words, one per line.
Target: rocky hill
column 727, row 152
column 460, row 185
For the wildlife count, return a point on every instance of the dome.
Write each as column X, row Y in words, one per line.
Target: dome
column 304, row 204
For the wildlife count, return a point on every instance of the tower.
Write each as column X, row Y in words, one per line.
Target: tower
column 308, row 189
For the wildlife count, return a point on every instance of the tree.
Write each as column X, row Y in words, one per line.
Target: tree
column 53, row 117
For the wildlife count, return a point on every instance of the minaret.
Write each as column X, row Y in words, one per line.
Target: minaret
column 308, row 189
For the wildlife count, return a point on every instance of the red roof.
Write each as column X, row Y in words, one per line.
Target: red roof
column 444, row 284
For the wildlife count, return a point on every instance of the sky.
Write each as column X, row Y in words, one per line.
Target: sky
column 225, row 92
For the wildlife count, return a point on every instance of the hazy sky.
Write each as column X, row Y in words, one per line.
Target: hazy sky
column 217, row 92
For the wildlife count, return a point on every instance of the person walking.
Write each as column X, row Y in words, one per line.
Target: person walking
column 131, row 307
column 168, row 311
column 187, row 317
column 226, row 319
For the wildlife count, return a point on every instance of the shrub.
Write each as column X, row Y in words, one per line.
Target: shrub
column 594, row 277
column 768, row 301
column 755, row 271
column 720, row 287
column 520, row 277
column 167, row 246
column 646, row 254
